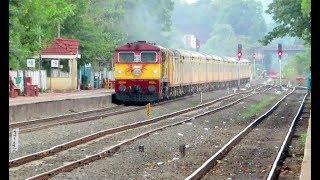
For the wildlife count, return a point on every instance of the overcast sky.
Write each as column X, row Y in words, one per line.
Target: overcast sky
column 190, row 1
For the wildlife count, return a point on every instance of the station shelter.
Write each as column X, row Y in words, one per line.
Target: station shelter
column 60, row 61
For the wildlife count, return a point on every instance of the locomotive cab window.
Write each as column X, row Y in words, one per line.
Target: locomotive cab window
column 126, row 57
column 148, row 57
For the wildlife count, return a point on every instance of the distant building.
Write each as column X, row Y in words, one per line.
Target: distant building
column 190, row 40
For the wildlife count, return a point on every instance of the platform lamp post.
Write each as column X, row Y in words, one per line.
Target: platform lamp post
column 279, row 55
column 239, row 57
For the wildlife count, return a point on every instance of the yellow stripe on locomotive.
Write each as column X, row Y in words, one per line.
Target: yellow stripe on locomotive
column 137, row 71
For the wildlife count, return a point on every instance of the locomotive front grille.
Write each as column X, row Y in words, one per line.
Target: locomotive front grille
column 137, row 97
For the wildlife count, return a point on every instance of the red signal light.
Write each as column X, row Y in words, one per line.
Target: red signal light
column 239, row 55
column 280, row 53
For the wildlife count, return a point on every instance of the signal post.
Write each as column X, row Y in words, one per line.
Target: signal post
column 279, row 55
column 254, row 65
column 239, row 57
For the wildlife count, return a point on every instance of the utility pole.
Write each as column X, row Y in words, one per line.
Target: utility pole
column 239, row 57
column 40, row 59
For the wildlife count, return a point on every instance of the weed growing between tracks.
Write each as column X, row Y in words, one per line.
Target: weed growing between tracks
column 303, row 137
column 255, row 108
column 194, row 103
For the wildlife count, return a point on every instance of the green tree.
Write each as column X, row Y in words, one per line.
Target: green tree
column 298, row 65
column 100, row 25
column 147, row 20
column 32, row 24
column 306, row 7
column 235, row 22
column 291, row 20
column 196, row 18
column 245, row 17
column 93, row 24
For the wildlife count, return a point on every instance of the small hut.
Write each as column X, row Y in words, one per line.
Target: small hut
column 60, row 61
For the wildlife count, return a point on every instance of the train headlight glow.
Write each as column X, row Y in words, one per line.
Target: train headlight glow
column 155, row 71
column 119, row 71
column 137, row 88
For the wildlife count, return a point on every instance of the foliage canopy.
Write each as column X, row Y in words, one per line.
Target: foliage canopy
column 292, row 18
column 100, row 25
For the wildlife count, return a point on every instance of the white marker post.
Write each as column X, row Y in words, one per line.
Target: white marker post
column 15, row 140
column 201, row 97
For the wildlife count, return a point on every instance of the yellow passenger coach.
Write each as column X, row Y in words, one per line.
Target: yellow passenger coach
column 146, row 72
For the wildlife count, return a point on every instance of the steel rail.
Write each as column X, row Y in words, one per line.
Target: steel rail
column 110, row 151
column 48, row 152
column 274, row 171
column 57, row 119
column 205, row 167
column 267, row 89
column 81, row 119
column 43, row 120
column 71, row 115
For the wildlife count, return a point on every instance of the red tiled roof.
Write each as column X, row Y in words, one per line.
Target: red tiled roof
column 62, row 46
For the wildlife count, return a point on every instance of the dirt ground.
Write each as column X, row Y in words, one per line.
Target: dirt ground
column 161, row 158
column 253, row 157
column 46, row 138
column 43, row 139
column 291, row 167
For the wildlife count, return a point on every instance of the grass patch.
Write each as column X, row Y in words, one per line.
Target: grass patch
column 257, row 107
column 194, row 103
column 303, row 137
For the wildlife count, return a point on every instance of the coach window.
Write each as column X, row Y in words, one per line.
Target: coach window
column 148, row 57
column 126, row 57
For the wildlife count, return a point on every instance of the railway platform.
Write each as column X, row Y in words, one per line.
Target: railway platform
column 306, row 163
column 45, row 97
column 52, row 104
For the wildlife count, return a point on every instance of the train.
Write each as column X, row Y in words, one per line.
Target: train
column 146, row 72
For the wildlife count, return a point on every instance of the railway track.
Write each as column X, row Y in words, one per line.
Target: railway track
column 179, row 117
column 212, row 168
column 38, row 124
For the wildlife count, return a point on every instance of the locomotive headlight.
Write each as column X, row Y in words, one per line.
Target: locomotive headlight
column 122, row 88
column 137, row 88
column 155, row 71
column 136, row 71
column 151, row 88
column 119, row 71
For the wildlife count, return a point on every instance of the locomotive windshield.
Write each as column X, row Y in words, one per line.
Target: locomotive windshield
column 148, row 56
column 143, row 57
column 126, row 57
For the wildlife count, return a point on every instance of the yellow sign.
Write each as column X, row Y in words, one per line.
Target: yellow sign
column 148, row 110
